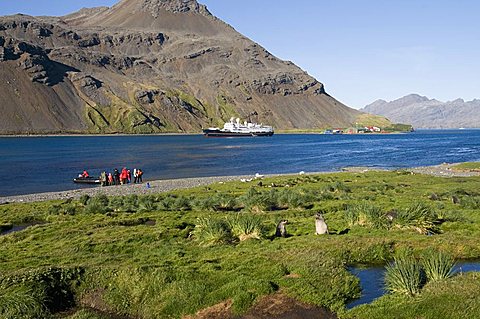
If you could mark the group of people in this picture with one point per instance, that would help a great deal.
(119, 177)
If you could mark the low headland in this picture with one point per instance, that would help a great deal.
(208, 247)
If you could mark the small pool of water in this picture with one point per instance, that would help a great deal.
(466, 266)
(372, 280)
(17, 228)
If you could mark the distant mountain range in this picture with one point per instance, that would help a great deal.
(422, 112)
(149, 66)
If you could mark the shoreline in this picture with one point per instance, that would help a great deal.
(280, 132)
(161, 186)
(94, 135)
(156, 186)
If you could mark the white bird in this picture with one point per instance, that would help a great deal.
(259, 175)
(302, 173)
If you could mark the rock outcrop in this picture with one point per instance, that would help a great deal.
(145, 66)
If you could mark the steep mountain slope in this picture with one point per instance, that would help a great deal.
(423, 112)
(146, 66)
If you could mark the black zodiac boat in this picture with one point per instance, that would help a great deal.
(87, 180)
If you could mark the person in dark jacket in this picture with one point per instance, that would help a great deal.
(116, 176)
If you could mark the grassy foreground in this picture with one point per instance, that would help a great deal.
(170, 255)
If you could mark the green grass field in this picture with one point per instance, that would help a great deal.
(170, 255)
(468, 166)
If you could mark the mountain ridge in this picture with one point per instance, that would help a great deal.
(126, 69)
(423, 112)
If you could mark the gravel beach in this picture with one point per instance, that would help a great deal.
(443, 170)
(159, 186)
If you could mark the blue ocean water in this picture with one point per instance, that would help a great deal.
(43, 164)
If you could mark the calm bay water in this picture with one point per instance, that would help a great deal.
(43, 164)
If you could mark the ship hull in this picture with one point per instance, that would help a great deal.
(220, 133)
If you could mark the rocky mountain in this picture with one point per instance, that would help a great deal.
(423, 112)
(146, 66)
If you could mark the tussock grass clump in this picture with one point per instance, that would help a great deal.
(182, 203)
(68, 209)
(205, 203)
(367, 215)
(21, 302)
(116, 203)
(175, 203)
(245, 226)
(470, 202)
(269, 201)
(239, 227)
(419, 217)
(94, 207)
(218, 202)
(225, 202)
(166, 203)
(336, 187)
(407, 275)
(296, 198)
(275, 199)
(404, 275)
(84, 199)
(437, 265)
(212, 231)
(147, 204)
(131, 200)
(37, 293)
(255, 201)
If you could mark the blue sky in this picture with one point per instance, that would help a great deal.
(361, 50)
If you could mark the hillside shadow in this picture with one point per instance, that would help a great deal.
(57, 72)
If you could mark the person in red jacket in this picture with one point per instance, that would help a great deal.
(123, 176)
(85, 174)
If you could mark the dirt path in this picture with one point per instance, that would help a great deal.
(278, 306)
